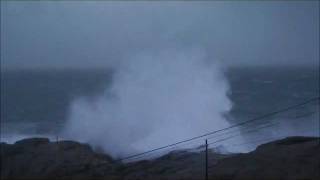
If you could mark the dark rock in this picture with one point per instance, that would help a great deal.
(37, 157)
(32, 142)
(290, 158)
(295, 140)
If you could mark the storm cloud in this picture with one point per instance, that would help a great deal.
(100, 34)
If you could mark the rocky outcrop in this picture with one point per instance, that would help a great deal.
(174, 165)
(290, 158)
(39, 158)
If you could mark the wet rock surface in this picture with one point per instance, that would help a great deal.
(38, 158)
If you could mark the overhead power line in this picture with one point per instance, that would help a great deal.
(224, 129)
(245, 132)
(201, 147)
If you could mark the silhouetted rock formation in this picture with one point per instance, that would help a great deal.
(290, 158)
(37, 157)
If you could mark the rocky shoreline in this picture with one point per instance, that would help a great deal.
(38, 158)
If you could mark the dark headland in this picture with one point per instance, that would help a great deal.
(38, 158)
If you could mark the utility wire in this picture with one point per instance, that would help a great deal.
(238, 130)
(224, 129)
(201, 147)
(245, 132)
(250, 131)
(265, 140)
(156, 154)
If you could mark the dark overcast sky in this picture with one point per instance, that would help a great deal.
(97, 34)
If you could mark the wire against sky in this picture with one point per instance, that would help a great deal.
(227, 128)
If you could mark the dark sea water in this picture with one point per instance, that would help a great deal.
(37, 102)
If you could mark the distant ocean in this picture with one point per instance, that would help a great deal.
(37, 102)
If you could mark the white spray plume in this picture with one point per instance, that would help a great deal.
(155, 99)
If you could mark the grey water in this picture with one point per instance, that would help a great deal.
(37, 101)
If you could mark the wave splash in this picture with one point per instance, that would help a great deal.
(155, 99)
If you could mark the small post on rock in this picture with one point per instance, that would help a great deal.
(206, 159)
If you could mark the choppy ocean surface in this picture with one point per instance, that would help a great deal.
(37, 102)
